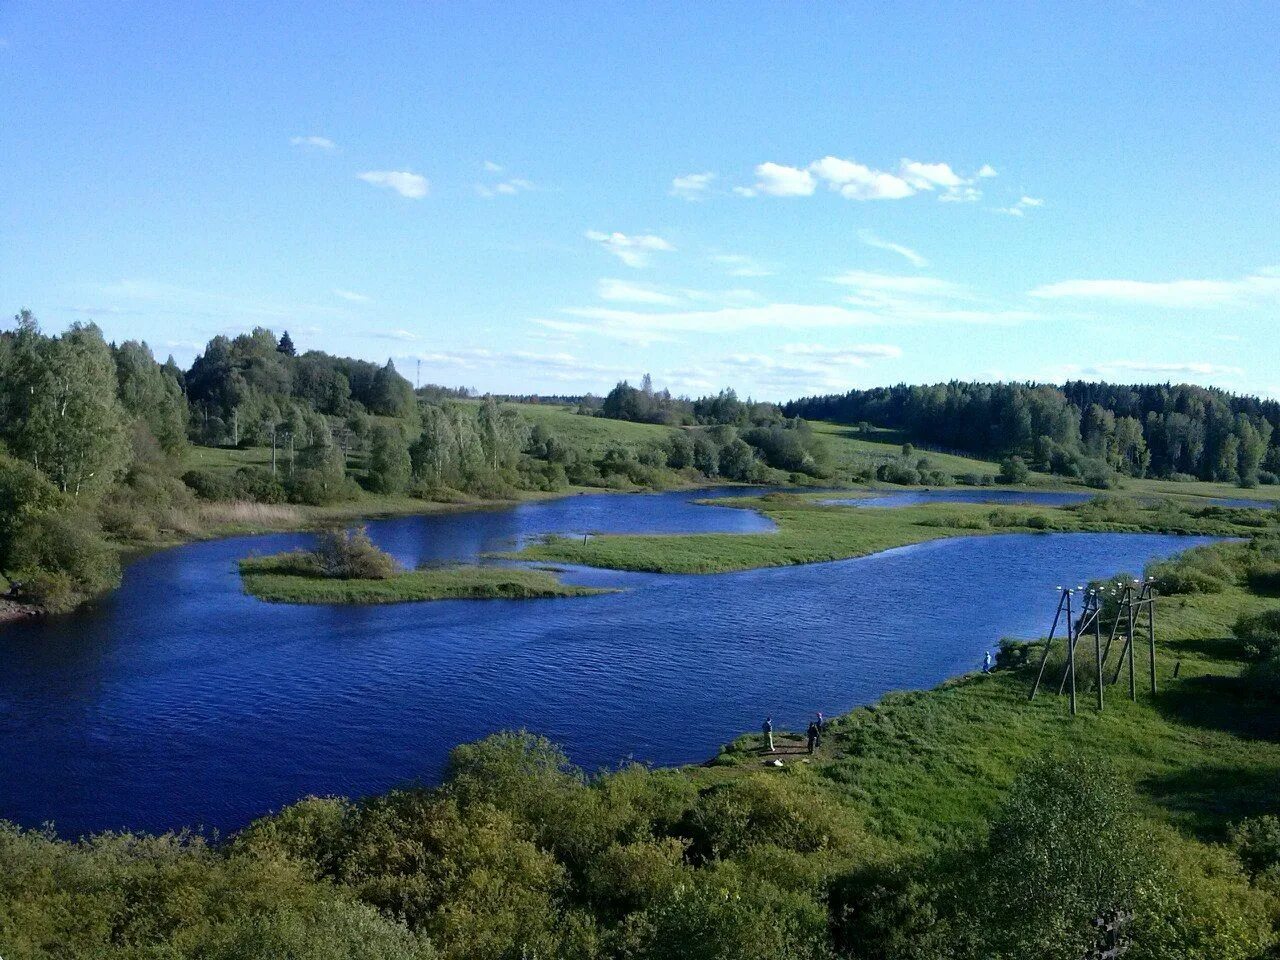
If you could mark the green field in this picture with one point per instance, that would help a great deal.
(273, 579)
(809, 532)
(848, 447)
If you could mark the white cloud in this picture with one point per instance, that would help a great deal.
(407, 184)
(1264, 284)
(927, 176)
(1022, 206)
(871, 240)
(633, 250)
(623, 291)
(777, 180)
(857, 181)
(506, 188)
(1166, 369)
(350, 295)
(799, 368)
(740, 265)
(560, 366)
(866, 282)
(492, 167)
(314, 143)
(692, 186)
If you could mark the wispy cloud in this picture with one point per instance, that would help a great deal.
(491, 167)
(633, 250)
(871, 240)
(1146, 371)
(1262, 285)
(692, 186)
(504, 188)
(623, 291)
(410, 185)
(740, 265)
(1020, 208)
(350, 296)
(797, 368)
(313, 143)
(857, 181)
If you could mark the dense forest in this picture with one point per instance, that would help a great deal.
(1093, 431)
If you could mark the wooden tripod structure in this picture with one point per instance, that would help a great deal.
(1135, 599)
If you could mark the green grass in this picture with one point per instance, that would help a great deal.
(273, 579)
(809, 532)
(848, 448)
(932, 765)
(593, 435)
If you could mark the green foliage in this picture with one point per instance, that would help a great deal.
(61, 411)
(389, 466)
(1256, 841)
(351, 555)
(60, 559)
(1013, 470)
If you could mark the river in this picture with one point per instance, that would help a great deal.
(180, 701)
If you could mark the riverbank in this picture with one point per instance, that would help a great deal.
(812, 532)
(277, 579)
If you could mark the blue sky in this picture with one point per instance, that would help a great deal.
(781, 197)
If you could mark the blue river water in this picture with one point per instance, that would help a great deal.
(179, 701)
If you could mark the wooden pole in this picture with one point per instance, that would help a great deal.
(1071, 653)
(1133, 688)
(1151, 632)
(1048, 645)
(1097, 642)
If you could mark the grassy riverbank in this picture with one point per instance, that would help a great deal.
(810, 532)
(931, 765)
(277, 579)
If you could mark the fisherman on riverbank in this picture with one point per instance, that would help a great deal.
(815, 736)
(986, 663)
(767, 730)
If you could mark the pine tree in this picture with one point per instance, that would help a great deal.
(286, 346)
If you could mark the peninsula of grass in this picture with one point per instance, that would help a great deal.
(812, 532)
(346, 567)
(273, 579)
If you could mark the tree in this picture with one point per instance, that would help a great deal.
(72, 425)
(286, 346)
(389, 465)
(151, 395)
(1014, 470)
(390, 394)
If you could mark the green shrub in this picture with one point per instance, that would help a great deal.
(60, 559)
(1014, 470)
(351, 555)
(1256, 842)
(1259, 634)
(1264, 578)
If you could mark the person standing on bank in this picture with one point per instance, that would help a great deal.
(813, 736)
(986, 663)
(767, 730)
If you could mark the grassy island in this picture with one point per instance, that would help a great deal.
(346, 567)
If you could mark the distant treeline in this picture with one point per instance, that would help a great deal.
(1088, 430)
(778, 441)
